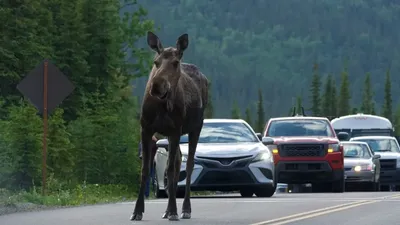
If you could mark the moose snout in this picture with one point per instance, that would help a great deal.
(160, 89)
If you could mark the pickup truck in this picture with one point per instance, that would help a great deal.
(306, 150)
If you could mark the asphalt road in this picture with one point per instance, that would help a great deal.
(293, 209)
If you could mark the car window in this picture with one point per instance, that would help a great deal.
(356, 151)
(382, 145)
(225, 132)
(300, 127)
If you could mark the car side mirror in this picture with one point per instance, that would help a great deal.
(267, 141)
(259, 135)
(376, 157)
(343, 136)
(162, 143)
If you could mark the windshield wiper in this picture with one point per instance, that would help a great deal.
(351, 156)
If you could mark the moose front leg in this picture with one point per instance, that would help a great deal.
(172, 211)
(186, 206)
(177, 163)
(139, 206)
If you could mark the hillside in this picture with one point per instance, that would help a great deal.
(243, 45)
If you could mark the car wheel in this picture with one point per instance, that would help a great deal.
(338, 186)
(266, 191)
(246, 193)
(157, 192)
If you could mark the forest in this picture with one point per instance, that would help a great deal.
(332, 58)
(246, 45)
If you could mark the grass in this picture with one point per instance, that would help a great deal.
(81, 195)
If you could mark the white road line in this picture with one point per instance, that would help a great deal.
(298, 215)
(323, 213)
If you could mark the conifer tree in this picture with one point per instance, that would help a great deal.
(235, 113)
(387, 105)
(315, 92)
(344, 95)
(327, 97)
(260, 122)
(367, 100)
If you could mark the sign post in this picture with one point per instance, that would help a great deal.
(45, 87)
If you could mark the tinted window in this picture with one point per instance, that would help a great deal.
(356, 151)
(382, 145)
(224, 133)
(300, 127)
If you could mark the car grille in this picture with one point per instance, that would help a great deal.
(388, 164)
(302, 150)
(212, 162)
(226, 177)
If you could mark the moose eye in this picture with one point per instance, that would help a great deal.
(156, 63)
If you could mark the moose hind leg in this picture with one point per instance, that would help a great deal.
(186, 206)
(139, 206)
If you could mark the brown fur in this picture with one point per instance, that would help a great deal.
(173, 105)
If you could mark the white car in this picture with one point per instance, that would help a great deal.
(389, 150)
(229, 157)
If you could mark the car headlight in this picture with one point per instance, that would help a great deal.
(367, 167)
(184, 158)
(263, 156)
(333, 148)
(398, 163)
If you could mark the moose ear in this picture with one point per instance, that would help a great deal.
(182, 42)
(154, 42)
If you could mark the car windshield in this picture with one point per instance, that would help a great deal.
(300, 127)
(356, 151)
(382, 145)
(225, 132)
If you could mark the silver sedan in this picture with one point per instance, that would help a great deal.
(362, 167)
(229, 157)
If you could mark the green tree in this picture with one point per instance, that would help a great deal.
(235, 113)
(24, 135)
(327, 97)
(209, 111)
(315, 92)
(387, 105)
(334, 101)
(248, 116)
(60, 149)
(367, 102)
(299, 105)
(397, 121)
(344, 95)
(25, 41)
(260, 122)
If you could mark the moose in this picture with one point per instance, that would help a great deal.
(173, 105)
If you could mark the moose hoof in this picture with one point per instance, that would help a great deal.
(165, 215)
(186, 215)
(173, 217)
(137, 216)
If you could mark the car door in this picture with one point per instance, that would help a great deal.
(377, 163)
(161, 159)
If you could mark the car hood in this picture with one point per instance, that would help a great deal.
(225, 149)
(388, 155)
(355, 161)
(302, 139)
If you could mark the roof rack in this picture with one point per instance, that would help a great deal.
(296, 114)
